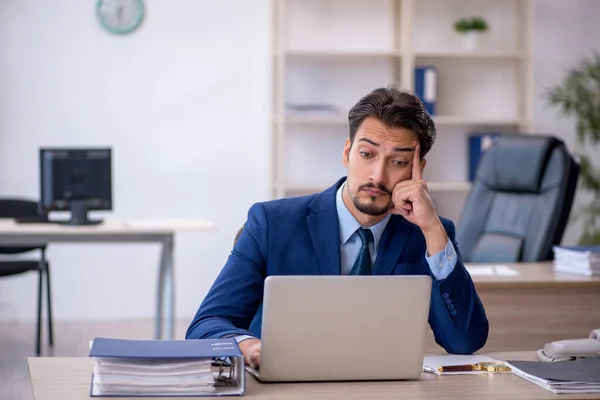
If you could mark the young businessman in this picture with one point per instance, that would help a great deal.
(383, 203)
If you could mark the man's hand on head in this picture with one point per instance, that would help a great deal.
(411, 199)
(251, 350)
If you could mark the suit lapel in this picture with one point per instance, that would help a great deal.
(324, 230)
(393, 241)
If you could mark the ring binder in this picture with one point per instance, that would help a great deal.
(200, 367)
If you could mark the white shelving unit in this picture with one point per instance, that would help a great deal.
(330, 53)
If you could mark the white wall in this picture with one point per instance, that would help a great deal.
(566, 32)
(184, 102)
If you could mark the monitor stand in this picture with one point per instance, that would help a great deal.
(79, 211)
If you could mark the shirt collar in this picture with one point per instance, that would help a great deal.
(349, 224)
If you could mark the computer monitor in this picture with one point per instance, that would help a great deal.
(76, 180)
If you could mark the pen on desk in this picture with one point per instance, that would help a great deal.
(455, 368)
(493, 366)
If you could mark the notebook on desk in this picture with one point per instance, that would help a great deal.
(578, 376)
(204, 367)
(337, 328)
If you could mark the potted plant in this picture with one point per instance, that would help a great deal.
(578, 95)
(471, 29)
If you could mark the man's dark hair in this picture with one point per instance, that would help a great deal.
(397, 109)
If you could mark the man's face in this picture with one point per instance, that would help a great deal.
(377, 160)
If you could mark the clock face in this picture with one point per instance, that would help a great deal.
(120, 16)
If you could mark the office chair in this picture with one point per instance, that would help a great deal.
(17, 208)
(519, 202)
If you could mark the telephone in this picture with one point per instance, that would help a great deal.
(571, 349)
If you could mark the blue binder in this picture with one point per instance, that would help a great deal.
(159, 349)
(478, 143)
(152, 351)
(426, 87)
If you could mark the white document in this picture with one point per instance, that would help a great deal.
(480, 270)
(503, 270)
(490, 270)
(431, 363)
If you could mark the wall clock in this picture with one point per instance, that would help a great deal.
(120, 16)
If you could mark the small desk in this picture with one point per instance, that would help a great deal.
(536, 307)
(70, 378)
(163, 232)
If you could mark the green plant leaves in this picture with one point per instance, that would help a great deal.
(471, 24)
(578, 95)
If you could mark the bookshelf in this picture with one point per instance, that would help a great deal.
(329, 53)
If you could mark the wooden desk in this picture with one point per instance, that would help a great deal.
(163, 232)
(536, 307)
(69, 379)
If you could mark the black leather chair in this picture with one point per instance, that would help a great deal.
(18, 208)
(520, 201)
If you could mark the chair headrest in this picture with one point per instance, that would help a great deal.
(516, 163)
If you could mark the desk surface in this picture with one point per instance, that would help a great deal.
(10, 227)
(69, 379)
(532, 275)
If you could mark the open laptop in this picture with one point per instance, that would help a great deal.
(337, 328)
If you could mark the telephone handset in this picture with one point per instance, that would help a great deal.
(571, 349)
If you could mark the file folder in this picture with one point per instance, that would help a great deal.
(478, 143)
(178, 368)
(426, 81)
(578, 376)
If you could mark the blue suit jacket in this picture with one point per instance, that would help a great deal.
(300, 236)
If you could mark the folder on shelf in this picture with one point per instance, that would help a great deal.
(426, 87)
(204, 367)
(478, 143)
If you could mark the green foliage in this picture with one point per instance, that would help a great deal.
(578, 95)
(471, 24)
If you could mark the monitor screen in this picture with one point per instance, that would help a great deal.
(80, 176)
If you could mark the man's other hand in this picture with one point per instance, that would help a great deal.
(251, 350)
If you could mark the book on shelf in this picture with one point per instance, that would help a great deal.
(577, 260)
(311, 109)
(204, 367)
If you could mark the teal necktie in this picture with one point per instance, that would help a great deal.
(362, 265)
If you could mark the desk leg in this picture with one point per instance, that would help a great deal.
(170, 291)
(160, 290)
(165, 297)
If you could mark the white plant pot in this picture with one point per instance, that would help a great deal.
(471, 40)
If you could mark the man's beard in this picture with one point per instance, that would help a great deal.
(370, 208)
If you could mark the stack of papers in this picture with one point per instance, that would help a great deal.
(161, 378)
(579, 376)
(577, 260)
(166, 367)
